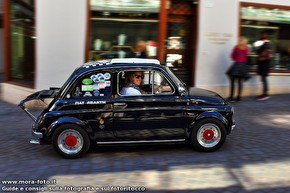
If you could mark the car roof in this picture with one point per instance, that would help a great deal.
(119, 63)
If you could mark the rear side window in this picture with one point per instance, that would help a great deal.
(93, 85)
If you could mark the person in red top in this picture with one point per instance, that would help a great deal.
(238, 72)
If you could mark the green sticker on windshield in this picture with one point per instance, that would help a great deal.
(87, 81)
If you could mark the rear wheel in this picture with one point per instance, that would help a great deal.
(208, 135)
(70, 141)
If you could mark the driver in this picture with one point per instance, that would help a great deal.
(134, 81)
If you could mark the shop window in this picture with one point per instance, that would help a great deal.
(118, 26)
(180, 40)
(22, 41)
(256, 18)
(176, 43)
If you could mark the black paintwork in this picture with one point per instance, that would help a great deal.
(129, 118)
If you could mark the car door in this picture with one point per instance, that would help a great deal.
(157, 114)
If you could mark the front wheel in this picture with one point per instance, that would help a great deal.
(208, 135)
(70, 141)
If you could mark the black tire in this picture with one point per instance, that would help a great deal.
(208, 135)
(70, 141)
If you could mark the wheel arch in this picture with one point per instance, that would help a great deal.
(67, 120)
(204, 115)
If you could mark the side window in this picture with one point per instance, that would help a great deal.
(143, 83)
(93, 85)
(160, 84)
(131, 82)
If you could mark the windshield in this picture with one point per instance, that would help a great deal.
(180, 83)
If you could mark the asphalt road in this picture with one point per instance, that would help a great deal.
(255, 158)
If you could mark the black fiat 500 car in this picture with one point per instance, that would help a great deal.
(91, 108)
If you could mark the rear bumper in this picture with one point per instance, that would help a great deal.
(35, 133)
(35, 141)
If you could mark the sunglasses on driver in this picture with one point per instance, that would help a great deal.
(138, 76)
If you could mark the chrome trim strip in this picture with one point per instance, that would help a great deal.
(142, 141)
(37, 134)
(233, 127)
(35, 141)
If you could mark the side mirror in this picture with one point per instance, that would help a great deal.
(181, 89)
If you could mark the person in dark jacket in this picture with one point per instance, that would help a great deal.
(238, 72)
(140, 49)
(264, 53)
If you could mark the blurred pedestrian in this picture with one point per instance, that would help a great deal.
(140, 49)
(264, 52)
(238, 72)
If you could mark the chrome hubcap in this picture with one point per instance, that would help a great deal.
(70, 141)
(209, 135)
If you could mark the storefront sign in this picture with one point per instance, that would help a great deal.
(218, 37)
(151, 6)
(266, 14)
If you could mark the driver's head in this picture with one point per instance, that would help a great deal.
(136, 78)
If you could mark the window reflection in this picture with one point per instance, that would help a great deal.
(118, 26)
(22, 38)
(277, 23)
(115, 39)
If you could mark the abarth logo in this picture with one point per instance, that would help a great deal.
(89, 102)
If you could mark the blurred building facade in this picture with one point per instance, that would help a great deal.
(1, 42)
(44, 41)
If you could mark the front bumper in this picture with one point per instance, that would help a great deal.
(233, 127)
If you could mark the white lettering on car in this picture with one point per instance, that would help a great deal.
(79, 102)
(95, 102)
(89, 102)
